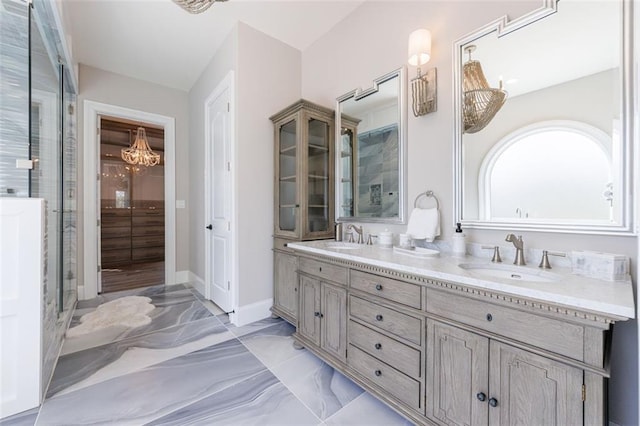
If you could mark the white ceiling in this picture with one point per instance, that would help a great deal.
(157, 41)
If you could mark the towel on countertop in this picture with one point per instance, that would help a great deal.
(424, 224)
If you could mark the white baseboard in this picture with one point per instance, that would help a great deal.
(249, 313)
(80, 292)
(197, 283)
(182, 277)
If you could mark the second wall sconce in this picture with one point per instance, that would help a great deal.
(423, 87)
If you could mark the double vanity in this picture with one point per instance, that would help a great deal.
(458, 340)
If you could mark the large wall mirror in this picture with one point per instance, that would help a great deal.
(370, 151)
(555, 156)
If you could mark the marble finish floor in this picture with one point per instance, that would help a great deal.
(190, 366)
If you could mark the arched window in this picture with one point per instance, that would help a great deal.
(559, 170)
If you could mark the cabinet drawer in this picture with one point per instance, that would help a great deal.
(387, 319)
(148, 212)
(142, 231)
(110, 257)
(394, 353)
(546, 333)
(114, 222)
(147, 220)
(397, 291)
(281, 244)
(115, 243)
(151, 241)
(110, 213)
(391, 381)
(116, 232)
(323, 270)
(152, 253)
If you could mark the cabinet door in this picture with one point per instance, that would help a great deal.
(334, 320)
(457, 375)
(318, 214)
(309, 313)
(286, 283)
(530, 389)
(288, 204)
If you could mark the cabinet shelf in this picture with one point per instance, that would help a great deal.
(288, 206)
(322, 149)
(289, 151)
(288, 178)
(318, 177)
(318, 206)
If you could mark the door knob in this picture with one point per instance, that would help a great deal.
(209, 226)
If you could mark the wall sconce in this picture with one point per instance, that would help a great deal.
(423, 87)
(481, 102)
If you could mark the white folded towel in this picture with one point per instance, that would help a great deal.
(424, 224)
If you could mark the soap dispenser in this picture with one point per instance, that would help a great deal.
(459, 243)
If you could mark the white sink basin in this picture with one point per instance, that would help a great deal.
(510, 272)
(343, 246)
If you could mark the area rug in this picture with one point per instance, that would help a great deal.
(129, 311)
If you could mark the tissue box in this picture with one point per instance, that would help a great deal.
(603, 266)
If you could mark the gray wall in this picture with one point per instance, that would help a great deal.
(263, 85)
(114, 89)
(373, 41)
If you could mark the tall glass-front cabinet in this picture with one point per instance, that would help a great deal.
(304, 192)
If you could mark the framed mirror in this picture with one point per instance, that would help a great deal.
(554, 155)
(370, 152)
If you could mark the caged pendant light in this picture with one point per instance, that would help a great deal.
(196, 6)
(481, 102)
(139, 153)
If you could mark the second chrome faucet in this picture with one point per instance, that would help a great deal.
(519, 245)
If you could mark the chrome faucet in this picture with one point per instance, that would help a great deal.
(358, 229)
(519, 245)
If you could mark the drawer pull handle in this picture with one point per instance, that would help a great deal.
(378, 346)
(489, 317)
(481, 396)
(493, 402)
(378, 317)
(378, 373)
(379, 287)
(320, 269)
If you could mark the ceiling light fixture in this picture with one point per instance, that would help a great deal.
(139, 153)
(196, 6)
(481, 102)
(423, 87)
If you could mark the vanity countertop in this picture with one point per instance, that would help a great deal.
(574, 291)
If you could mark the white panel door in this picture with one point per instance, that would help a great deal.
(21, 283)
(220, 240)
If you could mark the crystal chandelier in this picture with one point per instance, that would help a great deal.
(139, 153)
(481, 102)
(196, 6)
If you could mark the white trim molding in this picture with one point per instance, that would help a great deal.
(92, 111)
(252, 312)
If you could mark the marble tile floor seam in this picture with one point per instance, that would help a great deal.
(281, 385)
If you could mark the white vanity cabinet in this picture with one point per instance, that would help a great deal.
(449, 352)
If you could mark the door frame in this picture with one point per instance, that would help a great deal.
(92, 111)
(227, 83)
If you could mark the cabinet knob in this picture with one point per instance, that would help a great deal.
(378, 346)
(378, 373)
(489, 317)
(378, 317)
(481, 396)
(493, 402)
(209, 226)
(320, 269)
(379, 287)
(316, 314)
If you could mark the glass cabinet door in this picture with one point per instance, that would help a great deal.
(288, 208)
(346, 175)
(318, 169)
